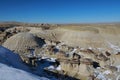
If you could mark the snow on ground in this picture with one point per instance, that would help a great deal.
(9, 73)
(59, 68)
(115, 48)
(107, 72)
(51, 68)
(49, 59)
(11, 59)
(101, 75)
(71, 53)
(52, 59)
(54, 68)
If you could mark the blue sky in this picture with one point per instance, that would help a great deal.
(60, 11)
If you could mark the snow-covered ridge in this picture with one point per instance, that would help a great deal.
(12, 61)
(9, 58)
(9, 73)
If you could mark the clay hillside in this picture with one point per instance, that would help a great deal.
(91, 51)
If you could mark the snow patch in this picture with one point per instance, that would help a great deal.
(72, 51)
(54, 68)
(58, 68)
(115, 48)
(49, 59)
(51, 68)
(107, 72)
(101, 75)
(52, 59)
(9, 73)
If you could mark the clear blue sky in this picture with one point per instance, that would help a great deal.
(60, 11)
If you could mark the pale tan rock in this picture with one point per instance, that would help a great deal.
(21, 42)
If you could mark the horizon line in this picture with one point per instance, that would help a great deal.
(105, 22)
